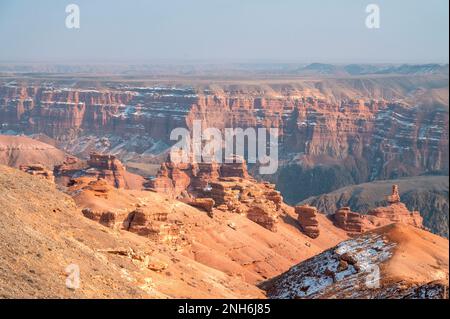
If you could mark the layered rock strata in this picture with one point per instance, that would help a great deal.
(375, 139)
(226, 187)
(307, 218)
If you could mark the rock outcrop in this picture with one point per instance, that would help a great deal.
(353, 223)
(226, 187)
(426, 194)
(98, 166)
(260, 202)
(395, 212)
(263, 214)
(38, 170)
(147, 222)
(205, 204)
(106, 167)
(307, 218)
(131, 215)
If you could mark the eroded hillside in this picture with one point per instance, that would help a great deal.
(223, 257)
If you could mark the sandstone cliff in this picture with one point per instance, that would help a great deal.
(356, 138)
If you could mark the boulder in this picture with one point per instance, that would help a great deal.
(205, 204)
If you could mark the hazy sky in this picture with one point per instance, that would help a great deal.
(224, 31)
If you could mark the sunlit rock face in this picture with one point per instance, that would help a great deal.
(223, 187)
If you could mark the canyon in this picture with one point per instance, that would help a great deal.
(348, 132)
(363, 164)
(345, 130)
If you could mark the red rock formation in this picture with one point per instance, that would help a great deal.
(307, 217)
(206, 172)
(227, 187)
(395, 196)
(235, 169)
(395, 212)
(176, 178)
(353, 223)
(106, 167)
(135, 217)
(144, 221)
(99, 166)
(260, 202)
(264, 214)
(38, 170)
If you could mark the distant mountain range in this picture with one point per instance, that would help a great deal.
(229, 69)
(365, 69)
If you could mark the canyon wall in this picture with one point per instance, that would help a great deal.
(344, 141)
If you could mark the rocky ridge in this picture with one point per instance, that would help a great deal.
(368, 267)
(355, 223)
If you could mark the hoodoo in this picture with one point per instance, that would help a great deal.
(395, 211)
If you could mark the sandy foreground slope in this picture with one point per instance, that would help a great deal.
(42, 231)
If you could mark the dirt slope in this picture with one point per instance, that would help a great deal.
(42, 235)
(228, 242)
(22, 150)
